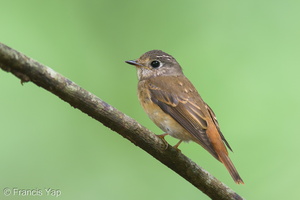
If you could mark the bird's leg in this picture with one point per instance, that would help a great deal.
(162, 136)
(176, 145)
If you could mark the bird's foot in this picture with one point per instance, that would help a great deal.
(176, 145)
(162, 137)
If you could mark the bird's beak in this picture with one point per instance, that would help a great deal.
(134, 62)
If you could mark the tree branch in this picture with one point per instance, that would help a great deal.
(28, 69)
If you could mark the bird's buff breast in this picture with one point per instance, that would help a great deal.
(161, 119)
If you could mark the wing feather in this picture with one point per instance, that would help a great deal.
(213, 116)
(187, 113)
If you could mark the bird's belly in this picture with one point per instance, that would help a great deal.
(167, 123)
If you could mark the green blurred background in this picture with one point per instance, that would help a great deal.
(243, 56)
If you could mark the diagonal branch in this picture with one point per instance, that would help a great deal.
(28, 69)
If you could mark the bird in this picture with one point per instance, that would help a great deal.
(175, 106)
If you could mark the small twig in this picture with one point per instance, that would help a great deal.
(28, 69)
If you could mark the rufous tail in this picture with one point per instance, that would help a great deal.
(230, 167)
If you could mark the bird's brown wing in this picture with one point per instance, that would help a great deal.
(184, 110)
(213, 116)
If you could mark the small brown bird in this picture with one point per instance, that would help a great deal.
(174, 105)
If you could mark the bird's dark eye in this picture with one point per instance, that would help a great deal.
(155, 64)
